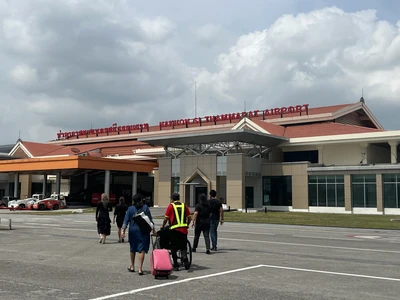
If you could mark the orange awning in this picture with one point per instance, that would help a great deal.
(75, 162)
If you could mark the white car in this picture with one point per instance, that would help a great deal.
(20, 203)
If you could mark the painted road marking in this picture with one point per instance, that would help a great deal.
(325, 238)
(370, 237)
(175, 282)
(243, 240)
(239, 270)
(311, 245)
(333, 273)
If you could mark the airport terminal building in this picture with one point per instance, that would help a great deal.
(299, 158)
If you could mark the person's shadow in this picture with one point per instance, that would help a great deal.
(194, 268)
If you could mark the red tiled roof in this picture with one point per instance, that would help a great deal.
(41, 149)
(311, 111)
(270, 127)
(326, 128)
(108, 148)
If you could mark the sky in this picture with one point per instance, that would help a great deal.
(72, 65)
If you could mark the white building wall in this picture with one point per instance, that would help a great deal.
(343, 154)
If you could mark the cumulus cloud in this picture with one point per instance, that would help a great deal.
(71, 64)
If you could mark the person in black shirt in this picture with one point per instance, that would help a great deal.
(201, 222)
(119, 215)
(217, 217)
(103, 218)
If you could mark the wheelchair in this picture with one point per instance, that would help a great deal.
(162, 242)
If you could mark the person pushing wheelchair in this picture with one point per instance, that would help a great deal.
(178, 216)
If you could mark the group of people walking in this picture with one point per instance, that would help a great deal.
(207, 216)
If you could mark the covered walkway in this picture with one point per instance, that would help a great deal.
(68, 165)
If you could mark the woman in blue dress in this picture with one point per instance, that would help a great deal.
(139, 242)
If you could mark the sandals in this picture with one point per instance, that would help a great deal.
(140, 273)
(130, 269)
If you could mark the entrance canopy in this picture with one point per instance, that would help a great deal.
(51, 165)
(239, 135)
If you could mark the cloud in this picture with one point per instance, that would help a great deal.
(70, 65)
(321, 57)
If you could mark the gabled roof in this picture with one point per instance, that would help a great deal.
(32, 149)
(325, 129)
(326, 113)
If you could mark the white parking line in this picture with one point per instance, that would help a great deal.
(47, 224)
(239, 270)
(174, 282)
(333, 273)
(311, 245)
(327, 238)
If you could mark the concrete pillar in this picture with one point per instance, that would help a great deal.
(44, 189)
(107, 178)
(364, 153)
(16, 184)
(347, 193)
(393, 151)
(235, 180)
(379, 194)
(134, 183)
(58, 182)
(86, 180)
(320, 154)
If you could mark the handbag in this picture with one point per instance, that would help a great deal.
(144, 223)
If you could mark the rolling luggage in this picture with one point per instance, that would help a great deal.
(160, 262)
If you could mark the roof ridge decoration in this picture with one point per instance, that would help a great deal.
(20, 145)
(354, 107)
(245, 122)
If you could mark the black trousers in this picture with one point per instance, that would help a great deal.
(206, 233)
(178, 241)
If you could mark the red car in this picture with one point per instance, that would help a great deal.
(48, 203)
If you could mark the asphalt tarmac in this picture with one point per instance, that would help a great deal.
(59, 257)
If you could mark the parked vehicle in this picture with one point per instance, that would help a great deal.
(19, 203)
(4, 201)
(48, 203)
(61, 198)
(30, 203)
(39, 196)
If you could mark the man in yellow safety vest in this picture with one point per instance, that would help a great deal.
(178, 216)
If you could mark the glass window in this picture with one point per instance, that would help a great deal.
(312, 195)
(331, 195)
(312, 179)
(175, 184)
(391, 190)
(340, 195)
(364, 190)
(322, 179)
(322, 195)
(390, 177)
(326, 190)
(277, 190)
(331, 179)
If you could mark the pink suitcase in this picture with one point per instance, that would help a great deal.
(160, 262)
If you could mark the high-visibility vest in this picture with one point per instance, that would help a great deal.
(180, 220)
